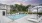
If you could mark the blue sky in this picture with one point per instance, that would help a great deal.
(25, 2)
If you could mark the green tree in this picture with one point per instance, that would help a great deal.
(21, 7)
(27, 7)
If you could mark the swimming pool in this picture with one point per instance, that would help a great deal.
(16, 16)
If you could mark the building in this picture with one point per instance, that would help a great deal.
(36, 9)
(4, 9)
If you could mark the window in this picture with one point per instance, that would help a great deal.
(3, 13)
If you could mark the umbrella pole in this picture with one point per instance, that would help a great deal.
(37, 12)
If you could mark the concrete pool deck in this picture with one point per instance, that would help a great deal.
(21, 20)
(4, 19)
(24, 19)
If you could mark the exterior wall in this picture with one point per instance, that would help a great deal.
(2, 7)
(1, 12)
(8, 8)
(5, 7)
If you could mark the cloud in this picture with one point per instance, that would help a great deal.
(20, 1)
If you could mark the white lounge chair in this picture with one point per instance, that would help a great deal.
(35, 20)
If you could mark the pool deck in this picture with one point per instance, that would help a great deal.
(4, 19)
(21, 20)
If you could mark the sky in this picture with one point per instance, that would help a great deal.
(24, 2)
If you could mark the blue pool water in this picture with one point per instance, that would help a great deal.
(17, 16)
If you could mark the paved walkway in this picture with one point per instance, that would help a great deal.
(4, 19)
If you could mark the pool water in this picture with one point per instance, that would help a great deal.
(16, 16)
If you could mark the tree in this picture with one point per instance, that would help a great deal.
(12, 7)
(21, 7)
(27, 7)
(40, 4)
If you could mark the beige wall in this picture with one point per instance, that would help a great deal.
(8, 8)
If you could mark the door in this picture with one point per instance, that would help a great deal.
(2, 12)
